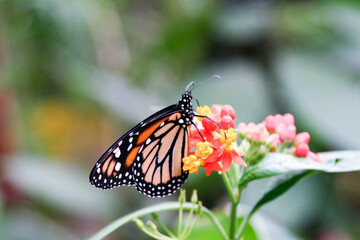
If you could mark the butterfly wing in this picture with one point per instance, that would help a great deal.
(157, 170)
(114, 168)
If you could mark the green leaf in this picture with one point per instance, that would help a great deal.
(282, 185)
(280, 188)
(280, 163)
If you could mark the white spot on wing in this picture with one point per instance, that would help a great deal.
(117, 166)
(117, 154)
(130, 146)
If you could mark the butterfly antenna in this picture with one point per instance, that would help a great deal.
(196, 115)
(193, 84)
(197, 102)
(204, 81)
(199, 131)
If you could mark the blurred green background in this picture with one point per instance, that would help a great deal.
(75, 75)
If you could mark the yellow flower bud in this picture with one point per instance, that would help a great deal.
(227, 137)
(203, 150)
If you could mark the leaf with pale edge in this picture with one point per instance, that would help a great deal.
(281, 163)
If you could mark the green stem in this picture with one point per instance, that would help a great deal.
(162, 225)
(192, 227)
(180, 220)
(233, 215)
(187, 223)
(165, 206)
(244, 223)
(228, 187)
(155, 235)
(233, 218)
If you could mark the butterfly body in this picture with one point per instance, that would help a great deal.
(149, 156)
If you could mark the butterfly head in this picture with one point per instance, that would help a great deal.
(187, 111)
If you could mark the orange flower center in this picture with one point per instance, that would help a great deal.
(191, 163)
(203, 150)
(227, 137)
(203, 111)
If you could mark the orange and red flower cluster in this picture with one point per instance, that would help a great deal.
(214, 139)
(215, 145)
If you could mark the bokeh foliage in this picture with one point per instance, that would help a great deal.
(76, 75)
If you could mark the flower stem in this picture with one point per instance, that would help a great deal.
(180, 220)
(229, 188)
(165, 206)
(162, 225)
(233, 220)
(187, 225)
(192, 227)
(244, 223)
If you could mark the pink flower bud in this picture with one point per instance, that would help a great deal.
(208, 124)
(278, 118)
(288, 119)
(314, 156)
(289, 133)
(274, 139)
(256, 135)
(311, 155)
(270, 123)
(216, 110)
(301, 150)
(261, 127)
(227, 122)
(259, 133)
(251, 126)
(303, 137)
(286, 132)
(228, 110)
(242, 128)
(280, 129)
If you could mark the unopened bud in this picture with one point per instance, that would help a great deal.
(139, 223)
(182, 197)
(198, 211)
(152, 226)
(194, 197)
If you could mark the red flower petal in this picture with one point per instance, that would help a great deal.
(212, 166)
(209, 123)
(226, 161)
(236, 157)
(216, 143)
(215, 156)
(195, 137)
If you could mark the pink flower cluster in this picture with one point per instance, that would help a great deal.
(279, 129)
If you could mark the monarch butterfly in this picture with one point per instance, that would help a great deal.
(149, 156)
